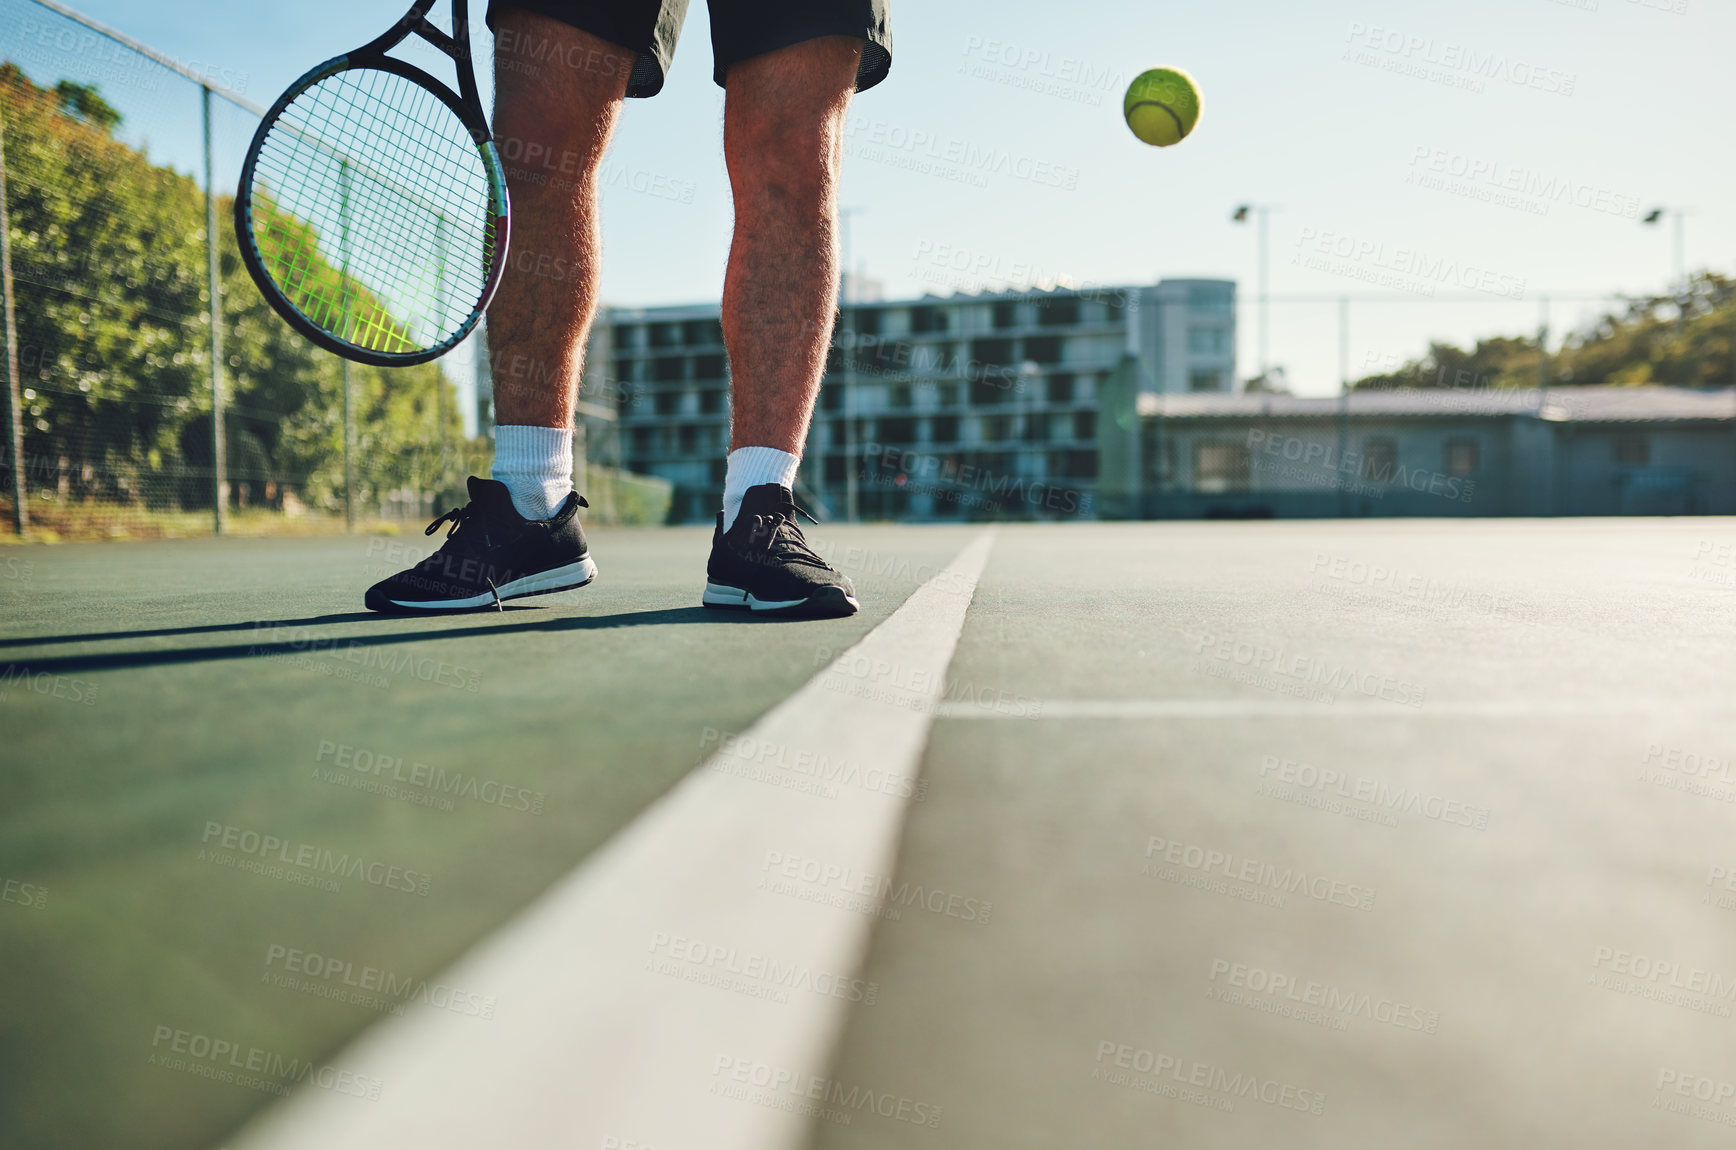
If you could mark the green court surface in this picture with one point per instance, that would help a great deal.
(227, 692)
(1398, 834)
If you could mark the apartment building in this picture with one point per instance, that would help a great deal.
(939, 408)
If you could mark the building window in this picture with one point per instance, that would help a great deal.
(1060, 389)
(883, 356)
(1037, 427)
(1379, 460)
(948, 394)
(901, 430)
(627, 370)
(667, 368)
(1632, 450)
(832, 398)
(991, 387)
(708, 367)
(1058, 312)
(992, 351)
(702, 332)
(1006, 314)
(1210, 297)
(689, 439)
(624, 337)
(668, 402)
(1220, 467)
(865, 321)
(997, 428)
(1462, 457)
(898, 395)
(935, 357)
(1084, 425)
(1072, 464)
(945, 429)
(1205, 381)
(1206, 340)
(711, 401)
(926, 319)
(665, 335)
(642, 440)
(1043, 348)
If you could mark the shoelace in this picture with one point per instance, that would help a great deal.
(456, 517)
(456, 541)
(783, 537)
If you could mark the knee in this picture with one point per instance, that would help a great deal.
(784, 162)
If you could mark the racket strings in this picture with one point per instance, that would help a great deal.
(371, 197)
(373, 211)
(374, 197)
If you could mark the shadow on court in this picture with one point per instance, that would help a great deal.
(114, 660)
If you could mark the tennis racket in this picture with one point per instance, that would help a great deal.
(372, 210)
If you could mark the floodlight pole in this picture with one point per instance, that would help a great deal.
(1265, 293)
(1262, 215)
(1680, 244)
(1343, 402)
(1543, 347)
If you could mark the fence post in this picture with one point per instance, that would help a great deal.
(14, 393)
(1343, 402)
(1543, 345)
(349, 449)
(213, 290)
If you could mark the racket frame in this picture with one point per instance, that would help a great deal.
(466, 104)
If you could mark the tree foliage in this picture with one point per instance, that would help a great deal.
(1684, 340)
(109, 263)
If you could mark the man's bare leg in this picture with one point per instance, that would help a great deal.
(783, 139)
(558, 93)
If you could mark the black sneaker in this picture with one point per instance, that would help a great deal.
(763, 563)
(491, 553)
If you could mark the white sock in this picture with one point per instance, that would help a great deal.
(536, 464)
(750, 467)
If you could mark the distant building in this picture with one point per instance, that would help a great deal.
(1425, 452)
(963, 407)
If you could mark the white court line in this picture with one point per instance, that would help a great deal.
(593, 1038)
(1029, 710)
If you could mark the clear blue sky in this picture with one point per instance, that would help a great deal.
(1352, 117)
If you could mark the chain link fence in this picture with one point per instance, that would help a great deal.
(153, 393)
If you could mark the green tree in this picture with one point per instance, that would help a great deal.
(1683, 340)
(109, 260)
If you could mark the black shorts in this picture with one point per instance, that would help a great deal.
(740, 30)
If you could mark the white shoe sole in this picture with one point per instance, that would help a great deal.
(568, 578)
(719, 595)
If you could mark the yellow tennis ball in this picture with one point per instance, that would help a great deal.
(1162, 106)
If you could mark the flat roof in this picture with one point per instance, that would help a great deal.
(663, 312)
(1567, 404)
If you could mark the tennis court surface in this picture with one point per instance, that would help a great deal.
(1380, 833)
